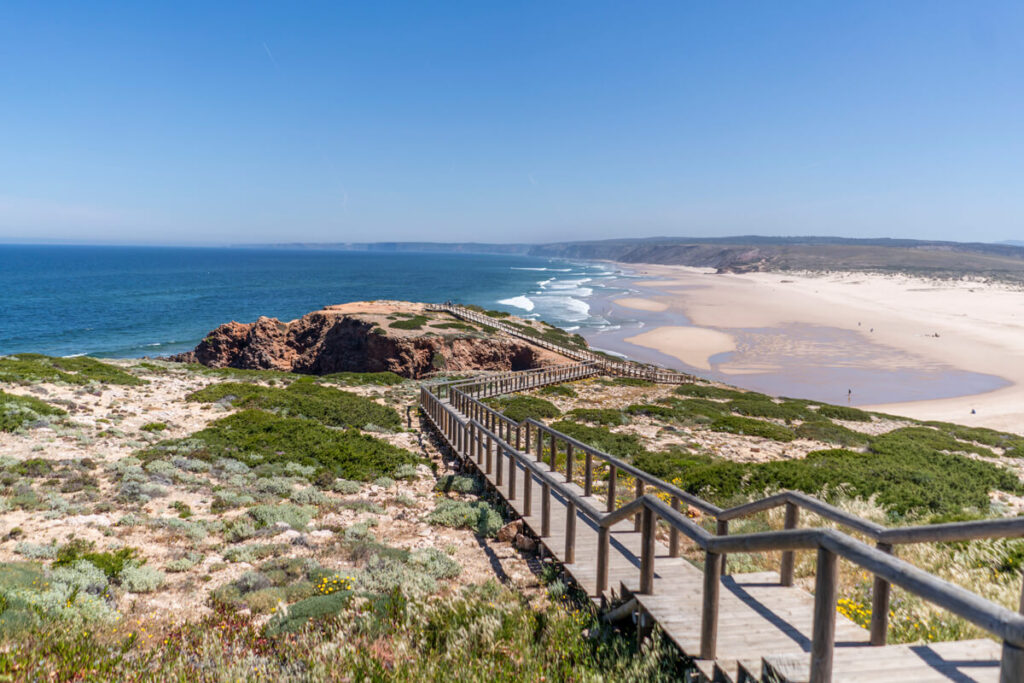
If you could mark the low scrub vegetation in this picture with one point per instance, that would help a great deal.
(603, 439)
(600, 416)
(415, 322)
(304, 398)
(519, 408)
(25, 368)
(355, 379)
(22, 411)
(708, 391)
(256, 437)
(748, 427)
(510, 641)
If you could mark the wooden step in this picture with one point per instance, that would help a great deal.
(965, 660)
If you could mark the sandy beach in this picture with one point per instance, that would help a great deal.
(952, 346)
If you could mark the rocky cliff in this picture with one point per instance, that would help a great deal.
(360, 338)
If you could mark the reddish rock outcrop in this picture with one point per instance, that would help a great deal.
(329, 341)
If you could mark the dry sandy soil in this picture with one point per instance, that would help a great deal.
(104, 426)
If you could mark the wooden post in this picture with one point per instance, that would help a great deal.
(612, 476)
(568, 463)
(518, 433)
(639, 494)
(570, 533)
(554, 452)
(673, 534)
(528, 430)
(788, 556)
(1011, 665)
(880, 605)
(511, 477)
(588, 475)
(488, 466)
(603, 542)
(823, 634)
(499, 468)
(527, 492)
(647, 551)
(545, 509)
(722, 529)
(709, 611)
(540, 445)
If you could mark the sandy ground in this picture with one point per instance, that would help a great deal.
(899, 322)
(692, 345)
(641, 304)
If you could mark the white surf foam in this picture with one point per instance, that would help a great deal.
(522, 302)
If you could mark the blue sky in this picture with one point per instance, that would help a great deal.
(197, 122)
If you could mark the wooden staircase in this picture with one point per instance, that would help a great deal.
(742, 627)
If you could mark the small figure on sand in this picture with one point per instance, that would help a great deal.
(849, 395)
(973, 411)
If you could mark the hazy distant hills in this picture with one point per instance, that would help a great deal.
(1003, 261)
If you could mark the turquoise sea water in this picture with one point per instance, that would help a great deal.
(136, 301)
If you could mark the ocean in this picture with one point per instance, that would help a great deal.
(125, 302)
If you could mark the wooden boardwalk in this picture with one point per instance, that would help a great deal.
(762, 628)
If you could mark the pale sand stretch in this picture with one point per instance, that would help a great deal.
(693, 345)
(641, 304)
(980, 327)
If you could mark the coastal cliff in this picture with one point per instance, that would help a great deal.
(399, 337)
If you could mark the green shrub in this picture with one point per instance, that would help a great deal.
(910, 482)
(843, 413)
(303, 398)
(749, 427)
(1012, 444)
(458, 483)
(453, 326)
(111, 563)
(36, 551)
(311, 608)
(621, 445)
(601, 416)
(519, 408)
(788, 411)
(153, 427)
(434, 563)
(692, 410)
(383, 379)
(33, 367)
(141, 579)
(295, 516)
(663, 412)
(406, 472)
(346, 487)
(416, 322)
(478, 516)
(918, 439)
(17, 411)
(254, 552)
(558, 390)
(824, 430)
(256, 437)
(627, 382)
(706, 391)
(33, 467)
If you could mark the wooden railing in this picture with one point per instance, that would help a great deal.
(617, 368)
(515, 454)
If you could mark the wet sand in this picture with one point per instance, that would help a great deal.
(907, 346)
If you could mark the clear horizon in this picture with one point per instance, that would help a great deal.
(229, 125)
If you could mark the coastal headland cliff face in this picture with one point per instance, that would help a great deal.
(400, 337)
